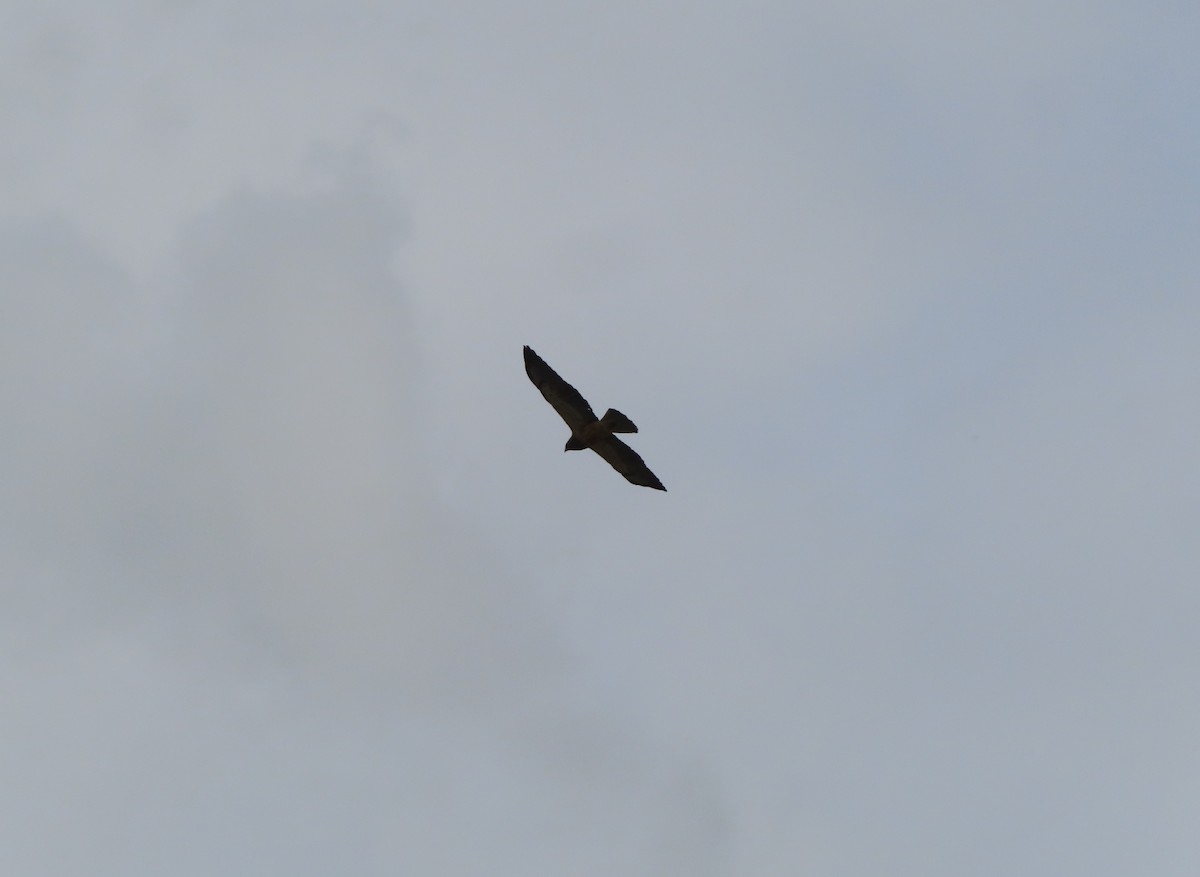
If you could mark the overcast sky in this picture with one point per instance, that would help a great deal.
(297, 579)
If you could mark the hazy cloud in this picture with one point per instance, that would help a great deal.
(296, 576)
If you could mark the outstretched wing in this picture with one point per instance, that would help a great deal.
(565, 399)
(626, 461)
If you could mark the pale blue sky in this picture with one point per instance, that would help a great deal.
(297, 578)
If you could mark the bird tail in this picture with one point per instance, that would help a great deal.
(614, 421)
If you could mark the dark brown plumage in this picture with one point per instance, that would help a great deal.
(588, 431)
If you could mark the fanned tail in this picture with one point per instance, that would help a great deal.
(614, 421)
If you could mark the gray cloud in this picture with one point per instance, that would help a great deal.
(246, 633)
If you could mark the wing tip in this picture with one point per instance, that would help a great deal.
(532, 360)
(647, 479)
(533, 363)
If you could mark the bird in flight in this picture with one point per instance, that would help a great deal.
(588, 431)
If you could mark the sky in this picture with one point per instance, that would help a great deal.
(296, 578)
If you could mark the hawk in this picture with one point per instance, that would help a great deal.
(588, 431)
